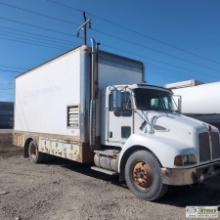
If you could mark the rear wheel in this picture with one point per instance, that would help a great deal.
(142, 175)
(33, 153)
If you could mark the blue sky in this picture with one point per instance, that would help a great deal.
(176, 40)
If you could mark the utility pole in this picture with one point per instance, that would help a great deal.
(83, 27)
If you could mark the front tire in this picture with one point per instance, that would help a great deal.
(33, 153)
(142, 175)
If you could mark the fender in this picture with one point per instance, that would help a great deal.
(164, 149)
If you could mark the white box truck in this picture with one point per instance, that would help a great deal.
(93, 107)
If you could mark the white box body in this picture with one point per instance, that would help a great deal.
(44, 93)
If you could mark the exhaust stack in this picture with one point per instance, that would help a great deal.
(94, 93)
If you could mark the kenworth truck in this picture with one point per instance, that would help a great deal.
(93, 107)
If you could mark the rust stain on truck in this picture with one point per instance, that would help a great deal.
(57, 145)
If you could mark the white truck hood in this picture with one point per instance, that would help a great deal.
(172, 126)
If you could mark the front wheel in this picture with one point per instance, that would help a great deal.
(142, 175)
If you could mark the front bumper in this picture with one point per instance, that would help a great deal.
(188, 176)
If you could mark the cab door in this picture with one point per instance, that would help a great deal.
(120, 117)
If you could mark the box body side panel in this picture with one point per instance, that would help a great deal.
(43, 95)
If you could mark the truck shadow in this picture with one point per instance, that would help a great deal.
(82, 169)
(205, 194)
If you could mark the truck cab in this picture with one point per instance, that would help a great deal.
(127, 106)
(151, 144)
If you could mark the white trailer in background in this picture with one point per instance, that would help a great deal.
(92, 107)
(201, 101)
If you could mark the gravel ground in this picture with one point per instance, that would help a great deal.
(65, 190)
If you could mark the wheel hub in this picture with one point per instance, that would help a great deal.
(142, 174)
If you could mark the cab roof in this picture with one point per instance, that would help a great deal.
(146, 86)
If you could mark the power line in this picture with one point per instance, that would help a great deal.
(135, 43)
(32, 39)
(154, 60)
(156, 50)
(126, 51)
(160, 41)
(37, 13)
(66, 6)
(52, 39)
(59, 32)
(36, 26)
(28, 42)
(116, 37)
(109, 35)
(134, 31)
(40, 14)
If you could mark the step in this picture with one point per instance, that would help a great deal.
(102, 170)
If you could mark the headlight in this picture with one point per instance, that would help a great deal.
(184, 160)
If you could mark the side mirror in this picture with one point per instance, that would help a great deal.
(178, 103)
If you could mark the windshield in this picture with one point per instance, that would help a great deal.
(151, 99)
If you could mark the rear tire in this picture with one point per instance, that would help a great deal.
(142, 175)
(33, 153)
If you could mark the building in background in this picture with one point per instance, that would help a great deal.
(6, 115)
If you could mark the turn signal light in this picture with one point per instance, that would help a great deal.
(184, 160)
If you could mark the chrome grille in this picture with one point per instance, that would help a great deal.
(204, 149)
(209, 146)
